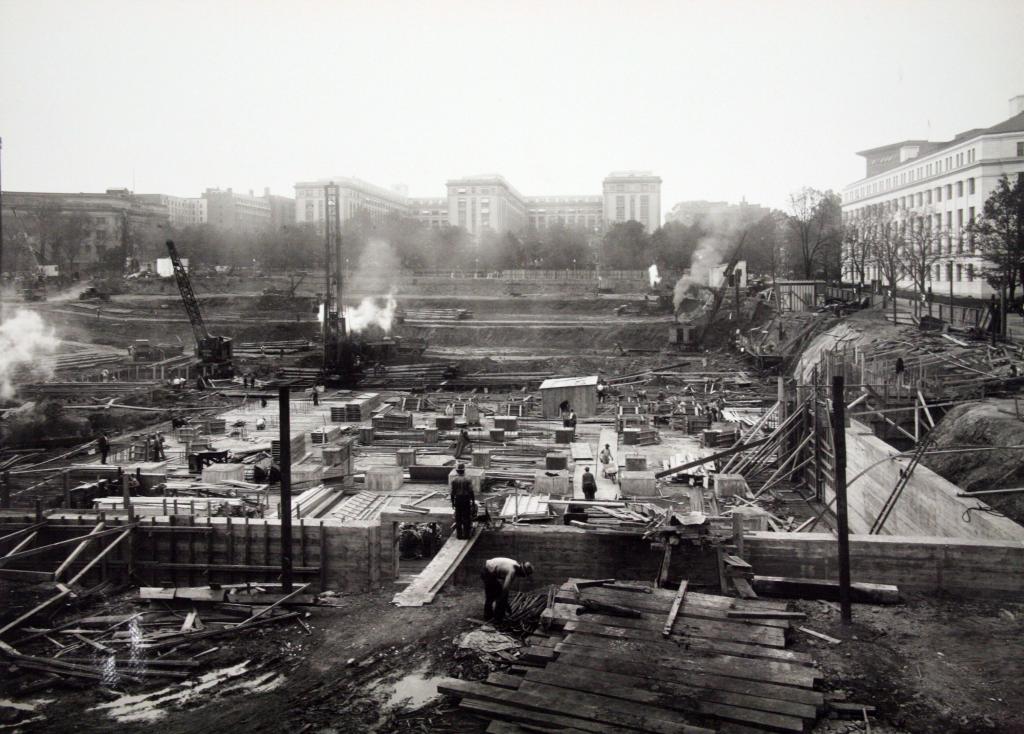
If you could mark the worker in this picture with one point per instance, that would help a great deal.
(261, 423)
(570, 419)
(899, 370)
(462, 443)
(316, 396)
(463, 502)
(589, 485)
(497, 575)
(449, 409)
(104, 446)
(600, 391)
(605, 457)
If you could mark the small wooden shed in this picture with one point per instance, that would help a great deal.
(580, 392)
(800, 295)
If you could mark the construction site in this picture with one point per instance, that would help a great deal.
(226, 502)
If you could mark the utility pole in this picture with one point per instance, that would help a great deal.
(285, 439)
(842, 519)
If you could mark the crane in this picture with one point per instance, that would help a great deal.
(214, 352)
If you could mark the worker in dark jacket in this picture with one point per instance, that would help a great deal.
(497, 576)
(463, 443)
(589, 485)
(464, 503)
(104, 446)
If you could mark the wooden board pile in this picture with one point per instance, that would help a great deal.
(409, 376)
(496, 380)
(122, 651)
(436, 314)
(719, 437)
(632, 517)
(392, 421)
(526, 507)
(627, 657)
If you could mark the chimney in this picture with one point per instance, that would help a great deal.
(1016, 105)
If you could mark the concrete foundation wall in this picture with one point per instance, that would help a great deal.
(558, 552)
(181, 551)
(956, 566)
(928, 505)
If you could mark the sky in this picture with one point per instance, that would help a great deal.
(724, 100)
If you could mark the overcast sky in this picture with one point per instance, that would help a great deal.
(723, 99)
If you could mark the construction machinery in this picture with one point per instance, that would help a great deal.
(341, 362)
(214, 352)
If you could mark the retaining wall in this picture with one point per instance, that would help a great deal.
(928, 505)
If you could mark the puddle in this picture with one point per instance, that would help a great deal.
(409, 693)
(154, 705)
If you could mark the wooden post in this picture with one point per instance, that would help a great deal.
(66, 481)
(737, 531)
(5, 491)
(284, 396)
(842, 519)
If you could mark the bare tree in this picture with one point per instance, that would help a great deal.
(814, 219)
(857, 252)
(61, 236)
(922, 252)
(1000, 234)
(888, 250)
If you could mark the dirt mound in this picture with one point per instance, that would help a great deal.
(986, 424)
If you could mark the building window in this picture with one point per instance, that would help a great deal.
(949, 272)
(938, 273)
(949, 191)
(938, 194)
(959, 273)
(1020, 149)
(970, 186)
(620, 208)
(970, 273)
(928, 196)
(959, 188)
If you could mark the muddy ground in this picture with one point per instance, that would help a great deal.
(930, 666)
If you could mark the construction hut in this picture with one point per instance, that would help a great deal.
(800, 295)
(580, 392)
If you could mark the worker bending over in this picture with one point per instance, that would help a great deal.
(463, 502)
(497, 575)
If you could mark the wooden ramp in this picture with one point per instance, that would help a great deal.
(606, 488)
(432, 579)
(683, 663)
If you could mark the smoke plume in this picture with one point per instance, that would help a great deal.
(372, 311)
(652, 275)
(24, 340)
(724, 232)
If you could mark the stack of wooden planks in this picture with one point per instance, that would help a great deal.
(627, 657)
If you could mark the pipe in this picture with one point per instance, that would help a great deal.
(285, 438)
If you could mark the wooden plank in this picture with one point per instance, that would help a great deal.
(539, 719)
(676, 697)
(432, 579)
(746, 614)
(601, 660)
(77, 551)
(729, 630)
(91, 536)
(504, 680)
(671, 619)
(743, 587)
(603, 712)
(694, 604)
(656, 653)
(650, 717)
(801, 588)
(100, 556)
(738, 649)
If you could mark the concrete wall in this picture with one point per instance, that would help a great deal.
(928, 505)
(956, 566)
(357, 555)
(558, 552)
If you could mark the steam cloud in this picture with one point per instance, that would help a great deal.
(370, 312)
(652, 275)
(724, 233)
(24, 340)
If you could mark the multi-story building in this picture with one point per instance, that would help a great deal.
(354, 197)
(433, 212)
(490, 203)
(485, 202)
(282, 209)
(576, 212)
(236, 212)
(101, 224)
(633, 196)
(692, 212)
(941, 187)
(181, 211)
